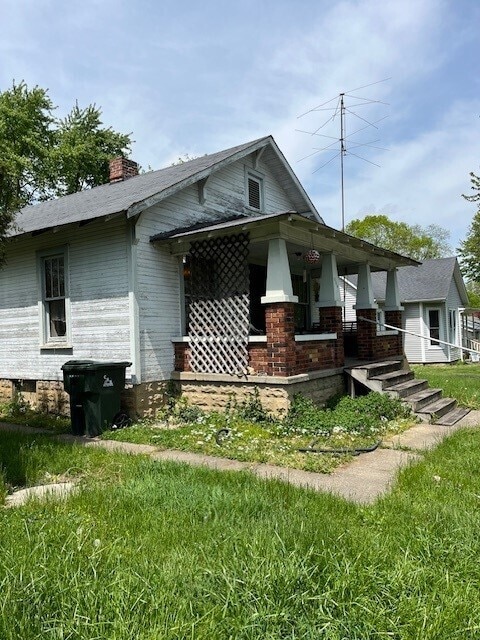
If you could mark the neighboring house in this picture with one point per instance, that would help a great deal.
(218, 273)
(435, 300)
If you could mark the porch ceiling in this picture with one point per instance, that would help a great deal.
(300, 233)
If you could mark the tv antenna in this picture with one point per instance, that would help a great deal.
(341, 109)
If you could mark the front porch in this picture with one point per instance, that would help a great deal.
(263, 309)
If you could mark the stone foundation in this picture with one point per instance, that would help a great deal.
(144, 400)
(214, 391)
(43, 395)
(208, 391)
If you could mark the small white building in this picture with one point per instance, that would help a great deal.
(434, 298)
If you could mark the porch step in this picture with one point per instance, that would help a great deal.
(452, 417)
(434, 411)
(405, 389)
(392, 378)
(423, 398)
(375, 369)
(427, 404)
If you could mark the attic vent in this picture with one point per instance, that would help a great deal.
(254, 193)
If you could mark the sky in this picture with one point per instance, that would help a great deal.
(188, 77)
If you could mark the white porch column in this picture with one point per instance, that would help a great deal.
(329, 294)
(279, 281)
(392, 294)
(365, 297)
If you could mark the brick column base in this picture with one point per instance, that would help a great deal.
(330, 320)
(394, 318)
(366, 333)
(280, 330)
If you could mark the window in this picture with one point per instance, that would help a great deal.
(434, 326)
(380, 320)
(301, 308)
(452, 325)
(254, 188)
(54, 297)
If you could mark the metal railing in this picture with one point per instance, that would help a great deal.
(418, 335)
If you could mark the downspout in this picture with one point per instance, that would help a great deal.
(134, 312)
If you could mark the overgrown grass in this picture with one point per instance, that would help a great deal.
(247, 433)
(460, 381)
(166, 551)
(27, 459)
(17, 411)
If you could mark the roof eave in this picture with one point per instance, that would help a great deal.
(294, 228)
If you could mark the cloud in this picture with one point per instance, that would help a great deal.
(190, 78)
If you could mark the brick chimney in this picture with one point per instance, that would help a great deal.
(122, 168)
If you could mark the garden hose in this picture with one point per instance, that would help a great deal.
(354, 451)
(220, 435)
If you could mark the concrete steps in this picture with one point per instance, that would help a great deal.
(393, 378)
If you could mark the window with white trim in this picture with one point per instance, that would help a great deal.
(380, 320)
(434, 326)
(53, 272)
(452, 325)
(254, 190)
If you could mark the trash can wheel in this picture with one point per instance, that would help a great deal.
(121, 420)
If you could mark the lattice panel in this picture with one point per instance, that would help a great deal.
(219, 316)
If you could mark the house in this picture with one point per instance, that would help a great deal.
(436, 308)
(217, 273)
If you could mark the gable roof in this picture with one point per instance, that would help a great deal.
(132, 196)
(430, 281)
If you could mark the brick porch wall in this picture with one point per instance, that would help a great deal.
(366, 334)
(280, 355)
(182, 356)
(331, 321)
(373, 347)
(395, 319)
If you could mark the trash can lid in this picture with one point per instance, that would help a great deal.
(75, 364)
(93, 365)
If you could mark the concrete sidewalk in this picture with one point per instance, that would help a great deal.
(363, 480)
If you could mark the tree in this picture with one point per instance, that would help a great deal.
(42, 156)
(419, 243)
(83, 149)
(26, 139)
(469, 249)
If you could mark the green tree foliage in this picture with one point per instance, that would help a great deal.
(83, 148)
(469, 249)
(419, 243)
(26, 139)
(42, 156)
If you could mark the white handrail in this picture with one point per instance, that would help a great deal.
(417, 335)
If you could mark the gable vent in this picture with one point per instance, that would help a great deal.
(254, 193)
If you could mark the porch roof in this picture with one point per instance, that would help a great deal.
(301, 233)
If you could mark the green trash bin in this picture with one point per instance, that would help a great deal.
(97, 387)
(74, 385)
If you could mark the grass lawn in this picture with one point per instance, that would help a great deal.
(150, 550)
(460, 381)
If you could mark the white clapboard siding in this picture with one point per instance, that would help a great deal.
(413, 322)
(158, 273)
(98, 291)
(348, 295)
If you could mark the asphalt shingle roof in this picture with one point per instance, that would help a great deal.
(110, 199)
(429, 281)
